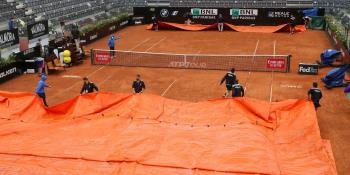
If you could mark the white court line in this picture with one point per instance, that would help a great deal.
(156, 44)
(105, 80)
(272, 74)
(271, 89)
(92, 73)
(167, 89)
(71, 76)
(139, 44)
(274, 47)
(256, 47)
(250, 71)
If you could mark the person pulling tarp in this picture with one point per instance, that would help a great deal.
(335, 77)
(329, 57)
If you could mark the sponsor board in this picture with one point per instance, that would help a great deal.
(198, 13)
(38, 29)
(276, 63)
(174, 13)
(204, 12)
(164, 13)
(245, 14)
(8, 38)
(8, 72)
(208, 15)
(104, 31)
(92, 37)
(29, 51)
(124, 23)
(103, 57)
(279, 14)
(28, 54)
(308, 69)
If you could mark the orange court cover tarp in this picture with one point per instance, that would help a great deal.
(125, 134)
(256, 29)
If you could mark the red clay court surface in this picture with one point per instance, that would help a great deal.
(198, 85)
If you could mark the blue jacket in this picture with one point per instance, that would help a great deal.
(41, 85)
(111, 42)
(11, 24)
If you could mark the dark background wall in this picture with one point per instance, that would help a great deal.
(236, 16)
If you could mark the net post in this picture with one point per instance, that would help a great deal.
(289, 57)
(92, 56)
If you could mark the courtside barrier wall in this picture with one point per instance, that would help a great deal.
(266, 63)
(338, 44)
(90, 37)
(233, 15)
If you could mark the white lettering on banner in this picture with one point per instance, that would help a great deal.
(244, 14)
(174, 13)
(204, 12)
(204, 17)
(244, 17)
(276, 63)
(93, 37)
(182, 64)
(280, 14)
(123, 23)
(8, 72)
(311, 69)
(28, 51)
(209, 11)
(103, 57)
(38, 28)
(248, 12)
(164, 13)
(306, 70)
(7, 37)
(291, 86)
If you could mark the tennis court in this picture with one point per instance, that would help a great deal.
(199, 85)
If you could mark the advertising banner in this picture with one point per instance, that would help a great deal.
(8, 38)
(102, 57)
(276, 63)
(236, 16)
(308, 69)
(8, 72)
(38, 29)
(87, 38)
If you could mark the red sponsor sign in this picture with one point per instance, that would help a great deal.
(276, 63)
(102, 57)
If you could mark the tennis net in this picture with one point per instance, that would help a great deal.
(267, 63)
